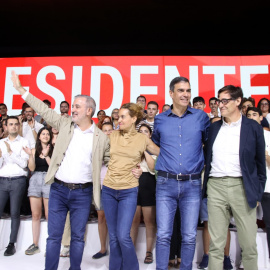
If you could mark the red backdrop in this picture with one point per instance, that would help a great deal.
(112, 81)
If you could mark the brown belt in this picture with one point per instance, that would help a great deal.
(71, 185)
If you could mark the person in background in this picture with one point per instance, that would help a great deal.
(104, 119)
(146, 202)
(4, 133)
(30, 127)
(55, 133)
(115, 117)
(176, 239)
(107, 128)
(199, 103)
(152, 111)
(39, 119)
(3, 111)
(247, 102)
(141, 101)
(13, 172)
(165, 107)
(100, 115)
(214, 108)
(256, 114)
(64, 108)
(38, 191)
(264, 106)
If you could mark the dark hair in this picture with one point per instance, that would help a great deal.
(64, 102)
(254, 109)
(177, 80)
(260, 101)
(142, 97)
(153, 103)
(212, 98)
(250, 99)
(147, 126)
(12, 117)
(101, 111)
(198, 99)
(134, 110)
(38, 143)
(107, 124)
(3, 104)
(46, 101)
(234, 91)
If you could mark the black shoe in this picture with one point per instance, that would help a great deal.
(10, 250)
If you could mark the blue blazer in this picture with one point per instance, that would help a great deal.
(252, 158)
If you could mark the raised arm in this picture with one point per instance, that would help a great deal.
(50, 116)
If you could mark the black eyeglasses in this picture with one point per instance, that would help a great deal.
(224, 101)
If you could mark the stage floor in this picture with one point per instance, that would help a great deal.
(20, 261)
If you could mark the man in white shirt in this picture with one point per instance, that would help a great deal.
(31, 127)
(74, 172)
(235, 178)
(13, 172)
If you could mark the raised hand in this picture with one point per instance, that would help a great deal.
(16, 82)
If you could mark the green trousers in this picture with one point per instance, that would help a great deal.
(226, 196)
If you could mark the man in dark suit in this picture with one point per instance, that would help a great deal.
(234, 177)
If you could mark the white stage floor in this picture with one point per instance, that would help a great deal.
(20, 261)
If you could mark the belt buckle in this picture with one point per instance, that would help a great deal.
(180, 174)
(71, 186)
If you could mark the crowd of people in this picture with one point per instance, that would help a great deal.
(170, 169)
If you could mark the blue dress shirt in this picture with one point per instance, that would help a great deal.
(181, 141)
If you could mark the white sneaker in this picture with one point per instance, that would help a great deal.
(65, 252)
(241, 266)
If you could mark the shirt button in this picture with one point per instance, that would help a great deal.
(180, 163)
(180, 144)
(180, 154)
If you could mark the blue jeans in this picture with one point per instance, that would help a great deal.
(169, 193)
(62, 200)
(12, 188)
(120, 207)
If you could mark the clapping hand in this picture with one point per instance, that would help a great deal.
(8, 147)
(27, 150)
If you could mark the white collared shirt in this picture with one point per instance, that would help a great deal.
(76, 166)
(28, 133)
(225, 159)
(15, 164)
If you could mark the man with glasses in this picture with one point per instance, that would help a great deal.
(234, 177)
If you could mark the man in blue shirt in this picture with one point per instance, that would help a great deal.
(180, 132)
